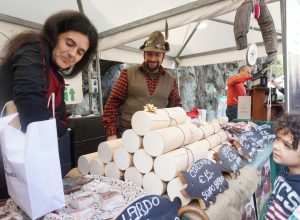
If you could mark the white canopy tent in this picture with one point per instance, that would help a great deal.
(123, 26)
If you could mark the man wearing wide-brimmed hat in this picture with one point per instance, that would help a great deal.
(147, 83)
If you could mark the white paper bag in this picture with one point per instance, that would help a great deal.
(32, 167)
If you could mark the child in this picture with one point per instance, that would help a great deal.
(285, 197)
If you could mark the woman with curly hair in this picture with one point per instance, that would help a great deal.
(285, 197)
(35, 64)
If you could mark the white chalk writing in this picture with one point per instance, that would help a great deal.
(141, 209)
(197, 166)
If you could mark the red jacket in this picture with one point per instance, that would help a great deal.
(236, 88)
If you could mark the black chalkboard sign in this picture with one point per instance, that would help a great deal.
(266, 133)
(204, 181)
(152, 207)
(229, 159)
(248, 143)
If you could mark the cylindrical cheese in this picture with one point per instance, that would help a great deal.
(207, 129)
(122, 158)
(133, 175)
(83, 162)
(216, 125)
(112, 171)
(142, 161)
(106, 149)
(153, 185)
(132, 142)
(96, 167)
(164, 140)
(167, 165)
(143, 122)
(174, 188)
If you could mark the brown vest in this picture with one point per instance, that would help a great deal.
(138, 94)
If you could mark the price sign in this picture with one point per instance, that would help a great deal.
(152, 207)
(204, 181)
(229, 159)
(248, 142)
(266, 134)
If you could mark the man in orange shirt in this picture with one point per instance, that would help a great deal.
(236, 88)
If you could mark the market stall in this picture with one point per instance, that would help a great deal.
(156, 170)
(198, 149)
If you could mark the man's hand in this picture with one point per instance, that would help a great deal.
(112, 137)
(274, 83)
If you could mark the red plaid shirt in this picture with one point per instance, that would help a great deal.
(118, 95)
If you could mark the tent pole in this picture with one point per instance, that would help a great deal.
(177, 78)
(80, 7)
(188, 40)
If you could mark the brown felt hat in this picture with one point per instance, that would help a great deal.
(156, 43)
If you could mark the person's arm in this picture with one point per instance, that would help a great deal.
(281, 89)
(238, 79)
(111, 108)
(29, 85)
(174, 98)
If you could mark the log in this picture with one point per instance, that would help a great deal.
(106, 149)
(174, 188)
(96, 167)
(153, 185)
(143, 122)
(83, 162)
(167, 165)
(167, 139)
(122, 158)
(131, 141)
(112, 171)
(142, 161)
(133, 175)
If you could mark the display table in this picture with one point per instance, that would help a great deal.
(234, 199)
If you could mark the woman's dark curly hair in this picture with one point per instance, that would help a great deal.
(55, 25)
(289, 123)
